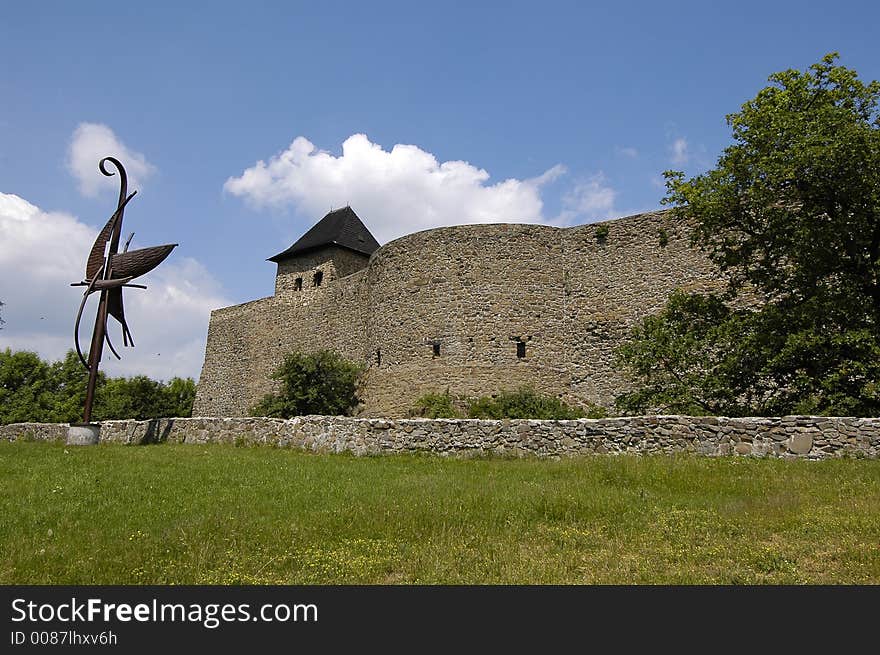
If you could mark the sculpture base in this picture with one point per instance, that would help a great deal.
(83, 434)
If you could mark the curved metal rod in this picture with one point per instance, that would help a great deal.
(107, 339)
(78, 317)
(123, 185)
(82, 304)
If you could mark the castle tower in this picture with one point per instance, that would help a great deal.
(336, 246)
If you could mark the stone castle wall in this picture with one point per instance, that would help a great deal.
(246, 343)
(473, 292)
(804, 437)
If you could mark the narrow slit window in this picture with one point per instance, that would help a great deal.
(521, 349)
(378, 358)
(298, 284)
(436, 349)
(319, 277)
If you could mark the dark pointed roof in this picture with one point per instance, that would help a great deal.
(342, 228)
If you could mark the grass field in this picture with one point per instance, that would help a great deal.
(180, 514)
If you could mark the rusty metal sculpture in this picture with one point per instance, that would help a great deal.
(108, 271)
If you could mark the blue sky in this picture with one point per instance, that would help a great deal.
(555, 112)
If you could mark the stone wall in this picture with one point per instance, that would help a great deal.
(446, 308)
(807, 437)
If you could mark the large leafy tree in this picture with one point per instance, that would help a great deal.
(791, 214)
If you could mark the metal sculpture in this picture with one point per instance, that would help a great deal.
(108, 271)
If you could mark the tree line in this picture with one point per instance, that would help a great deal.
(32, 389)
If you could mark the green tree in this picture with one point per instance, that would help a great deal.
(791, 214)
(180, 393)
(793, 207)
(34, 390)
(317, 383)
(137, 397)
(141, 398)
(26, 392)
(68, 381)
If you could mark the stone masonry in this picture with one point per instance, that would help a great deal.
(790, 437)
(474, 309)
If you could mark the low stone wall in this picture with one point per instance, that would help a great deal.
(790, 436)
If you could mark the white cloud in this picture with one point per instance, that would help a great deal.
(41, 253)
(91, 142)
(397, 192)
(679, 153)
(589, 197)
(631, 153)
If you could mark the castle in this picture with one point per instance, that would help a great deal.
(473, 309)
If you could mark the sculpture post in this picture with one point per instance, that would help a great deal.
(95, 351)
(108, 271)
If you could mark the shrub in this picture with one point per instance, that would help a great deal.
(317, 383)
(525, 402)
(596, 411)
(602, 233)
(437, 405)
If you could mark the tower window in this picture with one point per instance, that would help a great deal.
(521, 349)
(298, 284)
(436, 346)
(319, 277)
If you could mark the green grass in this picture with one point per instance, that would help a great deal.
(180, 514)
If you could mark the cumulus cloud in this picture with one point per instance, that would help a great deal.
(397, 191)
(678, 151)
(91, 142)
(592, 196)
(41, 253)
